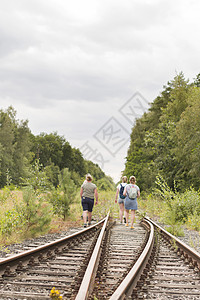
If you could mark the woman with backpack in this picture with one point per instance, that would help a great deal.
(132, 192)
(120, 190)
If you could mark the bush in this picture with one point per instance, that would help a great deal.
(187, 204)
(36, 212)
(11, 221)
(63, 196)
(193, 222)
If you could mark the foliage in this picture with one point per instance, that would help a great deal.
(151, 204)
(37, 177)
(105, 184)
(63, 196)
(20, 150)
(164, 191)
(187, 204)
(173, 225)
(106, 203)
(36, 212)
(54, 149)
(29, 216)
(180, 207)
(94, 169)
(166, 139)
(4, 194)
(193, 221)
(14, 146)
(11, 221)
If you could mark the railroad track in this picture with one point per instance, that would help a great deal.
(32, 274)
(106, 261)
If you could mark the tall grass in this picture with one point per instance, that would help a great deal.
(173, 208)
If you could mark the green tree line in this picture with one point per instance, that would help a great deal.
(165, 141)
(51, 153)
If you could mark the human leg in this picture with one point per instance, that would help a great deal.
(126, 216)
(85, 213)
(132, 217)
(90, 208)
(121, 211)
(89, 217)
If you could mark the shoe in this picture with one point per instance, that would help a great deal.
(132, 227)
(126, 224)
(85, 225)
(89, 224)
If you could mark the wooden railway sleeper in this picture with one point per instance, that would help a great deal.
(8, 272)
(21, 267)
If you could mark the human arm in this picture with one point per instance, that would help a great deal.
(96, 195)
(81, 192)
(116, 196)
(138, 193)
(124, 193)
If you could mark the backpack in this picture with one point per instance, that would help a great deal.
(121, 191)
(132, 194)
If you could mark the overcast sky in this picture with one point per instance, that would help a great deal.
(87, 69)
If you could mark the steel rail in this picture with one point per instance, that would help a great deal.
(187, 250)
(130, 281)
(90, 273)
(12, 262)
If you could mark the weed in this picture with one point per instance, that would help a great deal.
(55, 294)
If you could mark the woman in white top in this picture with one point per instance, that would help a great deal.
(120, 190)
(132, 192)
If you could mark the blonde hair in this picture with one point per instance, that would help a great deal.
(124, 179)
(88, 177)
(132, 179)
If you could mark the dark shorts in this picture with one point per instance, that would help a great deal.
(87, 203)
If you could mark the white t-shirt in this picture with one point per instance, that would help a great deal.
(119, 186)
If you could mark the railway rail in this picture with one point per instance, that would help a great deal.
(105, 261)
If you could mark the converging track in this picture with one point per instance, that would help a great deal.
(105, 261)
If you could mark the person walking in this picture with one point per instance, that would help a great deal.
(88, 192)
(120, 197)
(132, 192)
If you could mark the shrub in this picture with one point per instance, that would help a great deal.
(64, 195)
(11, 221)
(36, 212)
(187, 204)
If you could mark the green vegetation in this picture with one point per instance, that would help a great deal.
(30, 213)
(173, 208)
(40, 176)
(23, 156)
(64, 195)
(164, 155)
(40, 179)
(166, 139)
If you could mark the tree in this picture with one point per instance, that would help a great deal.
(36, 212)
(7, 127)
(37, 177)
(48, 148)
(197, 81)
(154, 140)
(15, 146)
(94, 169)
(188, 147)
(105, 184)
(63, 196)
(21, 152)
(178, 99)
